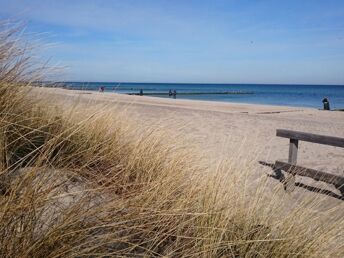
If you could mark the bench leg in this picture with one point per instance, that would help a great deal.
(289, 182)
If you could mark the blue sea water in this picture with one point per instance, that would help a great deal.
(269, 94)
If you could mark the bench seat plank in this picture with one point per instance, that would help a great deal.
(317, 175)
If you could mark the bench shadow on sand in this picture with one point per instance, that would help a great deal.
(278, 175)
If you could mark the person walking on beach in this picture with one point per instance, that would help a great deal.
(170, 93)
(174, 94)
(141, 92)
(326, 103)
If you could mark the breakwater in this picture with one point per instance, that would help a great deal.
(193, 93)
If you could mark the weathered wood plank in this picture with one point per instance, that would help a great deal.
(289, 183)
(293, 147)
(310, 137)
(317, 175)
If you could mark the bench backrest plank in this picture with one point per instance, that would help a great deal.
(310, 137)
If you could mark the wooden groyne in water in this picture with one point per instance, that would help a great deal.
(166, 93)
(194, 93)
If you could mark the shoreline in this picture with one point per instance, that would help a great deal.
(145, 98)
(303, 96)
(160, 94)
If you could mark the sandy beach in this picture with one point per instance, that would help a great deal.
(171, 129)
(225, 130)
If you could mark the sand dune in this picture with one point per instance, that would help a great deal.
(226, 130)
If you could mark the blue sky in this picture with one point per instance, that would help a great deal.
(218, 41)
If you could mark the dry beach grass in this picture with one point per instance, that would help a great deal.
(86, 181)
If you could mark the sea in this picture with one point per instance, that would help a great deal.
(267, 94)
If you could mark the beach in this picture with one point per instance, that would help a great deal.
(171, 129)
(197, 165)
(227, 130)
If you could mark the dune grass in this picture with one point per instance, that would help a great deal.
(82, 181)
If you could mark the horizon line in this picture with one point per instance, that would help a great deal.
(211, 83)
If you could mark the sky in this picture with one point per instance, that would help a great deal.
(190, 41)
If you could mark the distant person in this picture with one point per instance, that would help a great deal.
(141, 92)
(101, 89)
(174, 94)
(170, 93)
(326, 103)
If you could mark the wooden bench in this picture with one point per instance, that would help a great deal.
(293, 169)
